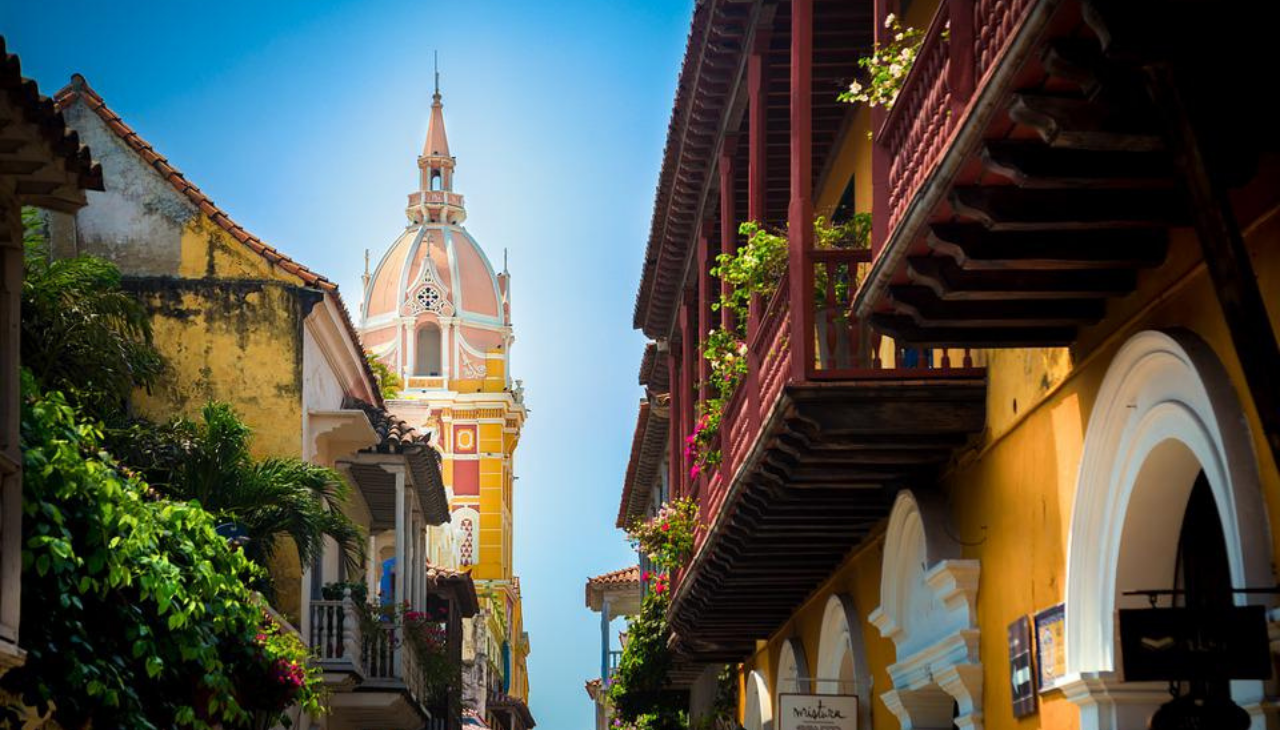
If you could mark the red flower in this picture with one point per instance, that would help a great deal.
(666, 526)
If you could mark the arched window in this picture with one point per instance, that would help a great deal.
(435, 180)
(427, 356)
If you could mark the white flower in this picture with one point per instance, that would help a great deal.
(855, 88)
(889, 20)
(898, 37)
(895, 70)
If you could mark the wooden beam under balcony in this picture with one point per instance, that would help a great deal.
(820, 481)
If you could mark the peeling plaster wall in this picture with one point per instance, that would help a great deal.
(138, 221)
(228, 322)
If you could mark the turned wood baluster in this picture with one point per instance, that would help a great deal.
(830, 270)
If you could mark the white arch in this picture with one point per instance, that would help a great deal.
(1166, 411)
(842, 656)
(793, 668)
(758, 713)
(928, 609)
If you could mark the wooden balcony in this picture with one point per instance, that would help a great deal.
(1028, 175)
(815, 443)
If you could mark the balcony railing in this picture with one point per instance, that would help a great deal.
(960, 50)
(839, 348)
(614, 657)
(436, 197)
(381, 656)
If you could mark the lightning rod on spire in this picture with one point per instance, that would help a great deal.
(437, 63)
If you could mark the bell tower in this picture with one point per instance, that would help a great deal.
(435, 201)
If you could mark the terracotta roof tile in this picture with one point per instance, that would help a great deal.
(617, 577)
(79, 89)
(647, 445)
(627, 577)
(45, 115)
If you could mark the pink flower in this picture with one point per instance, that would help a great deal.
(666, 526)
(694, 471)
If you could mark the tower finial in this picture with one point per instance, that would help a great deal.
(437, 59)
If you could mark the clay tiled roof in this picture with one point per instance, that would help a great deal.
(654, 374)
(79, 89)
(397, 437)
(464, 588)
(393, 433)
(625, 578)
(647, 445)
(45, 115)
(617, 577)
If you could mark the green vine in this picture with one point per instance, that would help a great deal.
(639, 692)
(136, 613)
(755, 270)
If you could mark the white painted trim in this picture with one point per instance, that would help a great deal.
(928, 609)
(841, 639)
(1166, 410)
(793, 669)
(758, 714)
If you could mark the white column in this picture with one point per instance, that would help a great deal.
(401, 526)
(411, 567)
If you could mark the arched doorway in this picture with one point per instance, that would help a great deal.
(758, 713)
(1167, 460)
(842, 656)
(793, 670)
(928, 608)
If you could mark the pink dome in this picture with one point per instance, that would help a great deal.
(435, 268)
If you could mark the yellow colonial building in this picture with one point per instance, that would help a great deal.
(1009, 462)
(437, 313)
(240, 322)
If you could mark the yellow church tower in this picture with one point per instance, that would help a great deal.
(437, 314)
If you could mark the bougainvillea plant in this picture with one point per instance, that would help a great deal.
(755, 270)
(640, 693)
(668, 537)
(887, 66)
(286, 675)
(136, 613)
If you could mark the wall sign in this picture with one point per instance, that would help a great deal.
(1021, 672)
(817, 712)
(1169, 644)
(1051, 646)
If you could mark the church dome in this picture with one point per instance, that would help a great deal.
(434, 307)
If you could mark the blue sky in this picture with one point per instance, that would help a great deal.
(303, 121)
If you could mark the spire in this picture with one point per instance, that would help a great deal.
(435, 201)
(437, 143)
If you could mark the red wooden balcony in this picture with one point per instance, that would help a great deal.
(1026, 178)
(815, 442)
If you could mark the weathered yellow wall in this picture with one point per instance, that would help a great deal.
(1014, 497)
(230, 329)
